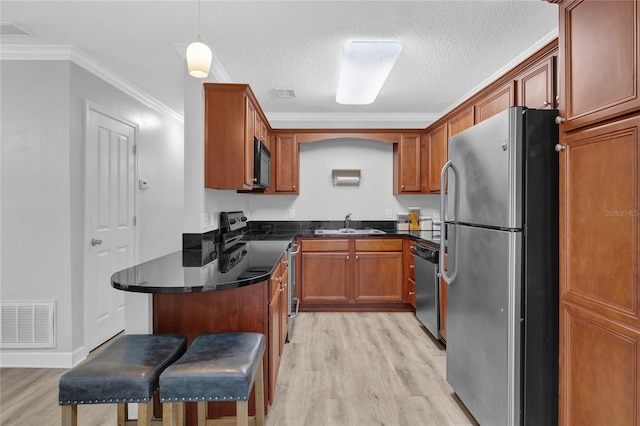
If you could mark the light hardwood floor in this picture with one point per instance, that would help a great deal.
(342, 369)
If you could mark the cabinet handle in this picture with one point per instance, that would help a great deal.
(411, 293)
(560, 148)
(402, 187)
(560, 120)
(294, 187)
(96, 242)
(412, 266)
(546, 103)
(357, 257)
(347, 257)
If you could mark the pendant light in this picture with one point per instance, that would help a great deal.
(198, 55)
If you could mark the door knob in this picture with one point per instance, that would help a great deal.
(560, 120)
(560, 148)
(95, 242)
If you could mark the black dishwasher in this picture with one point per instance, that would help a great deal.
(427, 288)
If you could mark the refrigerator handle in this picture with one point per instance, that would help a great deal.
(443, 231)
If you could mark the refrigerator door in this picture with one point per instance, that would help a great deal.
(483, 322)
(485, 187)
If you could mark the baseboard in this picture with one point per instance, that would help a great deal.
(41, 359)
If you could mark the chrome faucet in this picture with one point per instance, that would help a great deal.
(347, 221)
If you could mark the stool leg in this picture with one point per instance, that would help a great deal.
(144, 413)
(259, 395)
(173, 414)
(69, 415)
(203, 413)
(123, 414)
(242, 413)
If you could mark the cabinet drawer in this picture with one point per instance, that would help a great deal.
(324, 245)
(386, 244)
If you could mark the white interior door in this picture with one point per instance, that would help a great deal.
(110, 174)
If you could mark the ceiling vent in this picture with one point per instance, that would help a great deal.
(12, 29)
(286, 93)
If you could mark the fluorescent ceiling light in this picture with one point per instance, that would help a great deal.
(365, 67)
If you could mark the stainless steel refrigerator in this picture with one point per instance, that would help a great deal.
(499, 205)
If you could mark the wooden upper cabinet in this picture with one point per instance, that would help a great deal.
(285, 164)
(437, 149)
(494, 102)
(232, 120)
(599, 53)
(535, 85)
(407, 164)
(460, 122)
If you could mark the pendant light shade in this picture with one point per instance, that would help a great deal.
(198, 59)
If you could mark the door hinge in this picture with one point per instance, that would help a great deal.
(135, 149)
(135, 220)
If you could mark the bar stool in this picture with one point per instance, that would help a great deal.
(216, 367)
(126, 371)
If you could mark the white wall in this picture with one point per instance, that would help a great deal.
(42, 173)
(320, 200)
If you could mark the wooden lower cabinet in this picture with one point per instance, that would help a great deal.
(600, 361)
(352, 274)
(409, 273)
(378, 277)
(278, 322)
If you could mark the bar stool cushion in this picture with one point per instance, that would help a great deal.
(216, 367)
(126, 371)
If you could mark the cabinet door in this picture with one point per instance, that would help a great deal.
(275, 328)
(495, 102)
(437, 147)
(378, 277)
(599, 45)
(460, 122)
(249, 133)
(599, 197)
(407, 162)
(286, 163)
(599, 288)
(325, 277)
(284, 310)
(535, 86)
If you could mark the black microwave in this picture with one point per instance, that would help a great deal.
(261, 164)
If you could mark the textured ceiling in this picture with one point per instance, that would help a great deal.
(449, 47)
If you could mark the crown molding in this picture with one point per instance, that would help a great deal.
(407, 120)
(33, 52)
(515, 61)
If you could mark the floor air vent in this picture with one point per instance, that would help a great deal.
(27, 325)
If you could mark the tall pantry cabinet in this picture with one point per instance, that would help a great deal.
(599, 59)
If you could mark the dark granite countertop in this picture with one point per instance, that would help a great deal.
(265, 242)
(167, 274)
(269, 230)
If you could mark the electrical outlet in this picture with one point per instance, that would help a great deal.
(292, 213)
(389, 214)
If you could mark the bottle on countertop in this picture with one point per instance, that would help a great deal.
(414, 218)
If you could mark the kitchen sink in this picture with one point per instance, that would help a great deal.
(350, 231)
